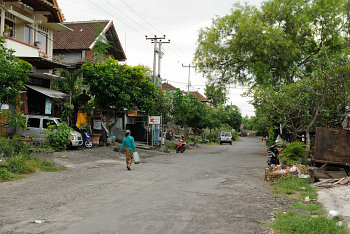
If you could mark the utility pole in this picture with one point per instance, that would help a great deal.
(189, 75)
(157, 40)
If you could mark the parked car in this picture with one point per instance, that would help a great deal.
(38, 124)
(225, 137)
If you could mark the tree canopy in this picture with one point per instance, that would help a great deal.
(272, 44)
(117, 86)
(13, 73)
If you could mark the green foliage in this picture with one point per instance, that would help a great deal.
(291, 222)
(14, 120)
(216, 95)
(116, 86)
(11, 148)
(4, 174)
(170, 144)
(13, 73)
(269, 45)
(18, 164)
(294, 153)
(293, 185)
(58, 136)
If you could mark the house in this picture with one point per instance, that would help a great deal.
(28, 27)
(167, 86)
(199, 96)
(76, 47)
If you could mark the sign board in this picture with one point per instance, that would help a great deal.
(48, 106)
(132, 112)
(154, 120)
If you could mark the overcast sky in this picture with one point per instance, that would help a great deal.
(179, 20)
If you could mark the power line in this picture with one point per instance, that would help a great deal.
(127, 16)
(140, 16)
(115, 17)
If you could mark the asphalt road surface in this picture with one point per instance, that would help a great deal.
(212, 189)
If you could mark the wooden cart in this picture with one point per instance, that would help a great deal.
(332, 147)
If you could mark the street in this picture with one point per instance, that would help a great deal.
(212, 189)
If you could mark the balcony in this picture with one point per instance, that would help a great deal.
(21, 48)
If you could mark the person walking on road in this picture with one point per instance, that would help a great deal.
(129, 144)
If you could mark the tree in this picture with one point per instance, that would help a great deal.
(188, 111)
(271, 45)
(318, 100)
(117, 86)
(215, 94)
(13, 73)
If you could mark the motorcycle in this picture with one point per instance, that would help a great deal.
(87, 140)
(181, 146)
(272, 155)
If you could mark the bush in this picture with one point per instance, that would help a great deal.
(294, 153)
(4, 174)
(58, 136)
(10, 148)
(171, 145)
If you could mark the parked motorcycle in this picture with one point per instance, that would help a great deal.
(272, 155)
(181, 146)
(87, 140)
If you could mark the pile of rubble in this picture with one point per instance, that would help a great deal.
(330, 183)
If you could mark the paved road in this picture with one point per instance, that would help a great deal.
(213, 189)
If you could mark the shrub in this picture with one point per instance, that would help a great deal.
(171, 145)
(294, 153)
(4, 174)
(58, 136)
(10, 148)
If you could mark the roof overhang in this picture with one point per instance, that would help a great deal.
(48, 92)
(46, 76)
(57, 27)
(42, 63)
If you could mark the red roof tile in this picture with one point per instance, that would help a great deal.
(198, 95)
(166, 86)
(82, 36)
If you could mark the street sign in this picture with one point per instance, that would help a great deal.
(154, 120)
(156, 135)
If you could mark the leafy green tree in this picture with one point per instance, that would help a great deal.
(117, 86)
(216, 95)
(273, 44)
(13, 73)
(188, 111)
(318, 100)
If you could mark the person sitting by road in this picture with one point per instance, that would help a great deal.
(130, 148)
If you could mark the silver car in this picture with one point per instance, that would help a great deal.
(37, 126)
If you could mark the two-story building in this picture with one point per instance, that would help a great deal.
(28, 27)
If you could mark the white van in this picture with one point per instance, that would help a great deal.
(225, 137)
(38, 124)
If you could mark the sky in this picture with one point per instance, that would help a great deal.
(179, 20)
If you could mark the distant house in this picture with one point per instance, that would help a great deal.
(76, 47)
(199, 96)
(168, 87)
(28, 27)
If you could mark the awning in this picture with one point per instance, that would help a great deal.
(42, 63)
(48, 92)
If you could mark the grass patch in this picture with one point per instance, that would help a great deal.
(170, 144)
(291, 222)
(312, 206)
(296, 220)
(292, 185)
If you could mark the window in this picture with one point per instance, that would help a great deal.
(27, 35)
(42, 42)
(33, 122)
(48, 122)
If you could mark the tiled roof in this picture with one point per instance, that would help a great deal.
(198, 95)
(82, 36)
(166, 86)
